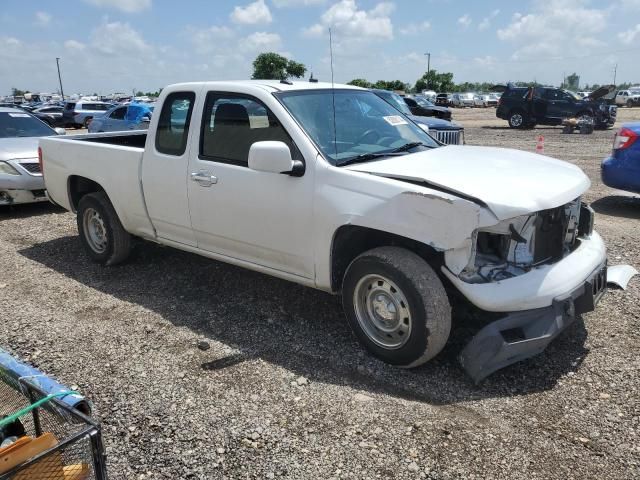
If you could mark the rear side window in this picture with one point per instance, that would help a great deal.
(173, 124)
(118, 113)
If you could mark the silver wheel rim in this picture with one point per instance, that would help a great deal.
(516, 120)
(94, 230)
(382, 311)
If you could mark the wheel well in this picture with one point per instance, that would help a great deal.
(350, 241)
(79, 187)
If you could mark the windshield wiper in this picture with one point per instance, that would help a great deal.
(366, 156)
(409, 146)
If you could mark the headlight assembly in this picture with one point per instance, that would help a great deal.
(7, 169)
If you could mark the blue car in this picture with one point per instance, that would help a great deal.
(622, 169)
(135, 116)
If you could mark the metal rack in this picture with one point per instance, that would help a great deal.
(77, 452)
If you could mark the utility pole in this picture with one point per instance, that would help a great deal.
(615, 71)
(428, 55)
(59, 77)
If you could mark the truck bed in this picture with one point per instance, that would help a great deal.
(112, 160)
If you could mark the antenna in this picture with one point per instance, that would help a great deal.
(333, 96)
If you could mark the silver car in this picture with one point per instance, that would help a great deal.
(20, 176)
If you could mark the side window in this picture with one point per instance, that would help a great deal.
(552, 94)
(173, 124)
(118, 113)
(232, 123)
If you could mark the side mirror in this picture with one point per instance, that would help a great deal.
(60, 131)
(145, 120)
(274, 157)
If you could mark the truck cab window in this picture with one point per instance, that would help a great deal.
(173, 124)
(231, 124)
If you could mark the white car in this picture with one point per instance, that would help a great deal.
(463, 100)
(255, 173)
(629, 98)
(20, 176)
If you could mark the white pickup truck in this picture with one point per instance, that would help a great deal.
(334, 189)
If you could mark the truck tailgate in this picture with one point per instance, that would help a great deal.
(116, 168)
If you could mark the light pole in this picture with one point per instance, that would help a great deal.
(428, 55)
(59, 77)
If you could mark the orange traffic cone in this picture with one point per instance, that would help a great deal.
(540, 145)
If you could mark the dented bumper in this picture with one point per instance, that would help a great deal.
(524, 334)
(539, 287)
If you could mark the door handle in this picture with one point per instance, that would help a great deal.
(205, 179)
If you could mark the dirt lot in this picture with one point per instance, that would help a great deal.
(285, 391)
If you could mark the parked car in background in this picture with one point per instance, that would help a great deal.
(420, 106)
(443, 100)
(628, 98)
(79, 114)
(50, 114)
(493, 99)
(481, 100)
(429, 95)
(20, 175)
(447, 132)
(622, 169)
(135, 116)
(462, 100)
(528, 106)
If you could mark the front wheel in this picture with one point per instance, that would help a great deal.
(102, 235)
(397, 306)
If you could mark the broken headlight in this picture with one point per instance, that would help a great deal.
(515, 246)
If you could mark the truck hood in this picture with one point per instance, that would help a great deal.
(435, 123)
(509, 182)
(18, 147)
(601, 92)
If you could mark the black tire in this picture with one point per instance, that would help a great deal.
(629, 103)
(86, 122)
(428, 319)
(518, 119)
(117, 241)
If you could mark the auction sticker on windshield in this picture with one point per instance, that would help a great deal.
(19, 115)
(395, 120)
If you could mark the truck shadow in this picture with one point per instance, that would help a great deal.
(626, 206)
(9, 212)
(298, 328)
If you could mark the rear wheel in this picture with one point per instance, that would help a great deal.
(104, 238)
(517, 119)
(396, 306)
(87, 121)
(629, 103)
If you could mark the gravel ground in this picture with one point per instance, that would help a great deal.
(278, 387)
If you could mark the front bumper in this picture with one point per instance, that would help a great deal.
(539, 287)
(524, 334)
(14, 197)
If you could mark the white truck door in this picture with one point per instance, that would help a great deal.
(164, 169)
(259, 217)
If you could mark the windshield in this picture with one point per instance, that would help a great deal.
(20, 124)
(396, 101)
(423, 102)
(573, 95)
(365, 125)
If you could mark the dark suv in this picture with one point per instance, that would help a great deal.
(528, 106)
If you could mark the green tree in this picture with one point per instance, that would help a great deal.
(390, 85)
(360, 82)
(572, 82)
(16, 92)
(432, 80)
(139, 93)
(272, 66)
